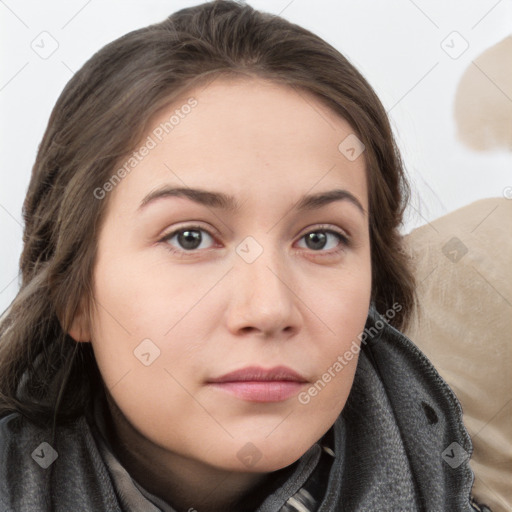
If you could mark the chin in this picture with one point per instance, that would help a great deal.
(264, 455)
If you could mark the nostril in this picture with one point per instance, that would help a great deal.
(429, 413)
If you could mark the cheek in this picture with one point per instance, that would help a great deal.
(145, 340)
(143, 307)
(342, 306)
(135, 302)
(142, 296)
(343, 297)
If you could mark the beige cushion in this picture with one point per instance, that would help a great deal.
(464, 326)
(482, 107)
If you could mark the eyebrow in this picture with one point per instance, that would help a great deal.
(226, 202)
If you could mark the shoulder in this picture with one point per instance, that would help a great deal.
(40, 472)
(18, 438)
(18, 477)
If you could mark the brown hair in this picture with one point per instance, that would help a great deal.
(102, 113)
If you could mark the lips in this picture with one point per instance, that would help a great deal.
(256, 373)
(256, 384)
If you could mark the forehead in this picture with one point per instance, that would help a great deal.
(252, 112)
(235, 133)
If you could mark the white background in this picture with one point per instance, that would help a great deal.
(396, 45)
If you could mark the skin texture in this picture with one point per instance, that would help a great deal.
(209, 311)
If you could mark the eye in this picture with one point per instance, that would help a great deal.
(321, 238)
(188, 239)
(192, 238)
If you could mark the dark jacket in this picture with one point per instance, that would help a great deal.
(398, 445)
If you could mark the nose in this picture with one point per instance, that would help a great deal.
(262, 298)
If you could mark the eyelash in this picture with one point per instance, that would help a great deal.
(344, 239)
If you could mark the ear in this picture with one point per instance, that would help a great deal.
(79, 329)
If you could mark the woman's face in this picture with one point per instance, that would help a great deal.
(253, 271)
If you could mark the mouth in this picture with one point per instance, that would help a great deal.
(256, 384)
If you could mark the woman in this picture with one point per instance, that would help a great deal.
(213, 280)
